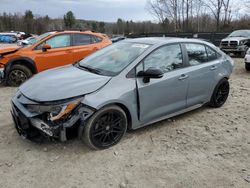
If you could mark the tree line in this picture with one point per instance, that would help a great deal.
(199, 15)
(171, 15)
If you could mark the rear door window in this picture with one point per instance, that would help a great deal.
(211, 54)
(81, 39)
(196, 53)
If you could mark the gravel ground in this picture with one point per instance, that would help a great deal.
(204, 148)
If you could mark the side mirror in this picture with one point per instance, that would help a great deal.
(46, 47)
(150, 73)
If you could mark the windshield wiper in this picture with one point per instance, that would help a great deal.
(90, 69)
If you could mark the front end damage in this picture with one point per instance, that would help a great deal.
(36, 121)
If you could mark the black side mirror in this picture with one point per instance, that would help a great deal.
(46, 47)
(150, 73)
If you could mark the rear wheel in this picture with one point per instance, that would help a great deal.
(105, 128)
(220, 94)
(247, 66)
(17, 75)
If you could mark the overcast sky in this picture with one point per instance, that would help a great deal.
(101, 10)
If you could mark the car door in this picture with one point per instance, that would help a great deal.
(83, 45)
(203, 68)
(168, 94)
(60, 53)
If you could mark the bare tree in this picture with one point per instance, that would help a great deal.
(165, 9)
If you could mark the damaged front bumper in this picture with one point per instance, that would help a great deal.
(31, 125)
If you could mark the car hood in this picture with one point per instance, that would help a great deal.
(62, 83)
(234, 39)
(8, 50)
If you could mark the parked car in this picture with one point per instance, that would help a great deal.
(126, 85)
(27, 41)
(237, 43)
(8, 37)
(51, 50)
(247, 60)
(117, 39)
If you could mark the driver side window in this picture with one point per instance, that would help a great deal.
(58, 41)
(166, 58)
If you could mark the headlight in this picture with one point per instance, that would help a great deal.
(242, 42)
(55, 112)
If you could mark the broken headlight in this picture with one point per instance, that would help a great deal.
(55, 112)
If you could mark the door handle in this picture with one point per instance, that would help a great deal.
(213, 68)
(183, 77)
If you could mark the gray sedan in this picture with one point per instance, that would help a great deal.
(126, 85)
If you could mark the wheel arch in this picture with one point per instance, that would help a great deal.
(29, 63)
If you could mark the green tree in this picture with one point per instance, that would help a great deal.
(94, 26)
(119, 26)
(69, 19)
(29, 21)
(28, 15)
(102, 27)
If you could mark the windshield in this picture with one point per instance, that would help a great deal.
(240, 33)
(41, 37)
(111, 60)
(36, 39)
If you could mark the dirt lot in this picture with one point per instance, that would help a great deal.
(204, 148)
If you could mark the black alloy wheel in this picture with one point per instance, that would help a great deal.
(220, 94)
(105, 128)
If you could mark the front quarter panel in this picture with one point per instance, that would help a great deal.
(119, 91)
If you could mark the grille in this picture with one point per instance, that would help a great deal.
(224, 43)
(233, 43)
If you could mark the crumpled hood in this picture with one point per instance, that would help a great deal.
(234, 39)
(62, 83)
(9, 50)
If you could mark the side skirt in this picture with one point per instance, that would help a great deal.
(171, 115)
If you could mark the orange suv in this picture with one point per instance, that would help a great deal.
(51, 49)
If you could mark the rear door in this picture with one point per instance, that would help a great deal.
(168, 94)
(83, 45)
(60, 53)
(203, 66)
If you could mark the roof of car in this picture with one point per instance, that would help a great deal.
(160, 40)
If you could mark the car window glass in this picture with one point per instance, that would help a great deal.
(113, 59)
(81, 39)
(59, 41)
(196, 53)
(95, 39)
(211, 54)
(166, 58)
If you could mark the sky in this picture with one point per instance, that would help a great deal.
(100, 10)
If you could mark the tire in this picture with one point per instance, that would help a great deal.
(99, 134)
(247, 66)
(17, 75)
(220, 94)
(242, 54)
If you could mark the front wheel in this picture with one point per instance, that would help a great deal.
(17, 75)
(105, 128)
(220, 94)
